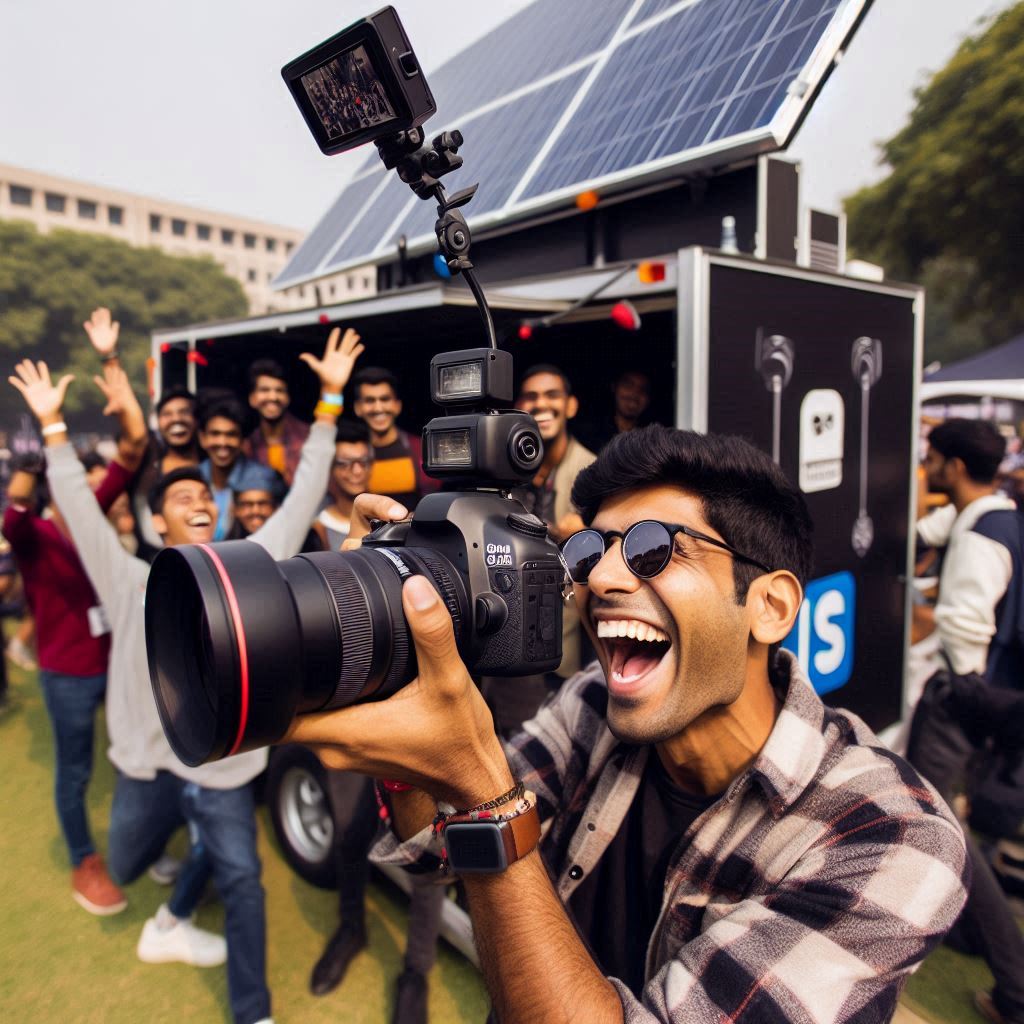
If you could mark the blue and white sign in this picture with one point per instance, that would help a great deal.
(823, 635)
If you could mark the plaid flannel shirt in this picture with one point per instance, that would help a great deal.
(293, 437)
(808, 892)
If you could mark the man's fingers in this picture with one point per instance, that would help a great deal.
(62, 384)
(374, 506)
(103, 386)
(349, 342)
(311, 361)
(16, 382)
(332, 340)
(430, 625)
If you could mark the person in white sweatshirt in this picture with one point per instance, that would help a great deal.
(155, 792)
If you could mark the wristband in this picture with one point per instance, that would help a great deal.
(110, 356)
(327, 409)
(392, 786)
(55, 428)
(332, 398)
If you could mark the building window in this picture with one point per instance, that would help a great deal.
(271, 244)
(227, 236)
(55, 203)
(154, 221)
(20, 196)
(350, 282)
(86, 209)
(330, 290)
(251, 275)
(302, 291)
(367, 282)
(250, 241)
(115, 214)
(203, 232)
(288, 246)
(270, 277)
(178, 227)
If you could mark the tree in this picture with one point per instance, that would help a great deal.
(950, 214)
(49, 284)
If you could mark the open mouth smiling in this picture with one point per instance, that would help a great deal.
(634, 649)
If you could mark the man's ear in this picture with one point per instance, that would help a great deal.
(160, 524)
(398, 407)
(252, 399)
(773, 602)
(572, 407)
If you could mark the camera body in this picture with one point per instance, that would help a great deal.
(509, 570)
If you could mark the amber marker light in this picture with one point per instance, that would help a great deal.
(587, 200)
(650, 273)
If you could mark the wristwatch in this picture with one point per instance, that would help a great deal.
(482, 844)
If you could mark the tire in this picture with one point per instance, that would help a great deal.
(296, 793)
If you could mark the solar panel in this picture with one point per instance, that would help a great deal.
(571, 94)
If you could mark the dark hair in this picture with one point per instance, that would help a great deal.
(265, 368)
(352, 431)
(225, 405)
(371, 375)
(546, 368)
(976, 443)
(176, 392)
(744, 495)
(159, 490)
(93, 460)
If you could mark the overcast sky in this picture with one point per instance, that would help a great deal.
(184, 100)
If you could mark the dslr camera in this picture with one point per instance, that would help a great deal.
(239, 643)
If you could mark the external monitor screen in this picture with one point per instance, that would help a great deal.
(347, 94)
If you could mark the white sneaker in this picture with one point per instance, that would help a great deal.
(183, 943)
(165, 871)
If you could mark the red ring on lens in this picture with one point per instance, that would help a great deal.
(243, 654)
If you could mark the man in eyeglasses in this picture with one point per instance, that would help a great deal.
(720, 845)
(353, 461)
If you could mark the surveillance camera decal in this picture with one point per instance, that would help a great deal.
(773, 359)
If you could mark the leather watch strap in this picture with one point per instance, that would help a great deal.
(522, 833)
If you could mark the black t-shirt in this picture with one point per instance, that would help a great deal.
(616, 907)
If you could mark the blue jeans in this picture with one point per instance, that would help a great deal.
(222, 826)
(72, 702)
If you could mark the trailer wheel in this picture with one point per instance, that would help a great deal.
(296, 793)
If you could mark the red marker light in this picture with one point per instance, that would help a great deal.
(625, 315)
(525, 332)
(324, 318)
(165, 348)
(198, 358)
(651, 273)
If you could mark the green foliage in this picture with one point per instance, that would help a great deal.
(49, 284)
(951, 212)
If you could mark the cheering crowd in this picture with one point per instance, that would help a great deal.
(716, 842)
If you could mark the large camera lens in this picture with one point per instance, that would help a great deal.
(239, 644)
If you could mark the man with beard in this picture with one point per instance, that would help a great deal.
(173, 445)
(225, 466)
(278, 438)
(155, 792)
(631, 395)
(397, 458)
(978, 622)
(720, 844)
(546, 394)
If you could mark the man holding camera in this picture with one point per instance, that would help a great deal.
(720, 845)
(155, 792)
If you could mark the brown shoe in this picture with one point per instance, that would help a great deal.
(92, 888)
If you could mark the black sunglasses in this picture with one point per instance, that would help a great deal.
(646, 548)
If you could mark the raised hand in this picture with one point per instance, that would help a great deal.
(102, 331)
(44, 398)
(118, 392)
(335, 368)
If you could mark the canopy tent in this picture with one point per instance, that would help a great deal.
(996, 373)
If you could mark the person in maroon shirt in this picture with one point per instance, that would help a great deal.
(73, 642)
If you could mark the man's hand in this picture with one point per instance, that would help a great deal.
(102, 331)
(436, 733)
(335, 368)
(122, 403)
(44, 398)
(368, 507)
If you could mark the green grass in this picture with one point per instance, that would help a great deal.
(60, 964)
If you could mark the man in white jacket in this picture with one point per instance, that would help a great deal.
(977, 624)
(155, 792)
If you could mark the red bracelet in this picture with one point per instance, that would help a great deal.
(396, 787)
